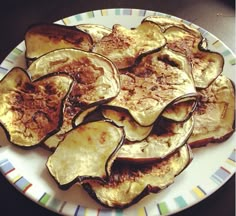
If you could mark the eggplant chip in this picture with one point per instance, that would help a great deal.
(165, 138)
(96, 80)
(206, 65)
(133, 131)
(87, 152)
(128, 183)
(215, 113)
(161, 79)
(123, 46)
(96, 31)
(44, 37)
(32, 111)
(167, 22)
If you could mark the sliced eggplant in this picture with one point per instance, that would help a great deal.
(42, 38)
(32, 111)
(133, 131)
(159, 80)
(53, 141)
(87, 152)
(165, 138)
(167, 22)
(123, 46)
(206, 64)
(96, 80)
(129, 183)
(181, 111)
(96, 31)
(215, 113)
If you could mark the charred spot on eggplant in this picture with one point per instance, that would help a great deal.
(25, 113)
(87, 152)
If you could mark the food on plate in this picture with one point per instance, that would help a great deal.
(87, 152)
(96, 81)
(159, 80)
(31, 110)
(129, 183)
(119, 109)
(165, 138)
(215, 113)
(123, 46)
(45, 37)
(96, 31)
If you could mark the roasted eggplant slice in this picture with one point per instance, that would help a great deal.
(123, 46)
(164, 139)
(96, 80)
(167, 22)
(96, 31)
(181, 111)
(87, 152)
(45, 37)
(215, 113)
(128, 183)
(32, 111)
(133, 131)
(159, 80)
(206, 65)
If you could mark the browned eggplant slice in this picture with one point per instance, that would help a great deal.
(123, 46)
(129, 183)
(165, 138)
(53, 141)
(42, 38)
(87, 152)
(31, 111)
(159, 80)
(133, 131)
(181, 111)
(215, 113)
(206, 64)
(96, 80)
(96, 31)
(167, 22)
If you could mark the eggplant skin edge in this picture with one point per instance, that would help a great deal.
(146, 191)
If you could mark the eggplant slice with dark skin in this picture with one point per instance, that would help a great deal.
(165, 138)
(96, 81)
(123, 46)
(215, 113)
(87, 152)
(161, 79)
(42, 38)
(31, 111)
(206, 65)
(133, 131)
(129, 183)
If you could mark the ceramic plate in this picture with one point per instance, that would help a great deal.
(212, 166)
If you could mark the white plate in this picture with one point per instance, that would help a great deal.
(211, 168)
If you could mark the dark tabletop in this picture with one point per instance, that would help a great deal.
(216, 16)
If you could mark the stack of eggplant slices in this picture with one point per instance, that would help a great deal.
(119, 109)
